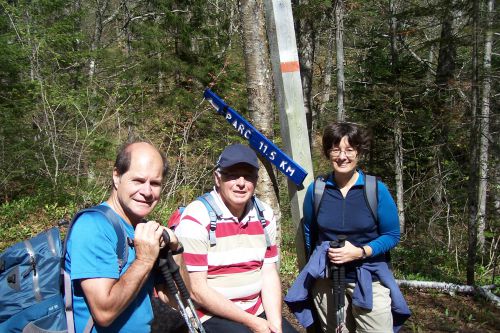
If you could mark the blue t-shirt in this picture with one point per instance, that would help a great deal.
(91, 253)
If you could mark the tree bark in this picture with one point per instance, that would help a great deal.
(452, 288)
(398, 133)
(306, 46)
(473, 166)
(326, 79)
(442, 110)
(398, 157)
(339, 47)
(484, 130)
(259, 87)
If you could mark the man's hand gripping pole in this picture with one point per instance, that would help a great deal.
(177, 288)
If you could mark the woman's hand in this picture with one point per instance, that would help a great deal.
(347, 253)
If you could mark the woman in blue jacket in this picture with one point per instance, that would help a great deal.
(344, 211)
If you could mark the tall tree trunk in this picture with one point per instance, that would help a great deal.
(259, 87)
(305, 37)
(398, 134)
(96, 38)
(326, 82)
(474, 137)
(442, 112)
(398, 157)
(484, 129)
(339, 42)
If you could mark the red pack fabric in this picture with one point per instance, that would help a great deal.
(175, 218)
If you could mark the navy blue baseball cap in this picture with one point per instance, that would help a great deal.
(237, 153)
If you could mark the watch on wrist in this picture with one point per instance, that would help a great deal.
(364, 252)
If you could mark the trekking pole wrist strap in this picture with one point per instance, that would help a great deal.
(180, 249)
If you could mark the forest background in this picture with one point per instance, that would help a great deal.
(77, 78)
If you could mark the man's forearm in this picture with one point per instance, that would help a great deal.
(109, 298)
(271, 295)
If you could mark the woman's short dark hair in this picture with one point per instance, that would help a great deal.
(356, 135)
(122, 162)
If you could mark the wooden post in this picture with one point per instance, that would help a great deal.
(286, 72)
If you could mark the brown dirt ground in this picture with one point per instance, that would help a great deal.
(440, 313)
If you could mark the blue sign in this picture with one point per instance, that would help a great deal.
(257, 140)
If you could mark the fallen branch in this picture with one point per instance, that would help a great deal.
(452, 288)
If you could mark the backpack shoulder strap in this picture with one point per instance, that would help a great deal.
(214, 212)
(319, 189)
(111, 217)
(371, 195)
(121, 252)
(259, 207)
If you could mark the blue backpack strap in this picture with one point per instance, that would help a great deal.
(260, 214)
(214, 213)
(371, 195)
(111, 217)
(121, 252)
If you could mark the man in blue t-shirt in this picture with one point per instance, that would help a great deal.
(119, 301)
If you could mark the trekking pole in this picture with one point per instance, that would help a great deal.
(177, 287)
(342, 283)
(337, 273)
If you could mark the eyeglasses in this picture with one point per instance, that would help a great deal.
(230, 176)
(349, 153)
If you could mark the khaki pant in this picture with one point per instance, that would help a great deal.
(378, 320)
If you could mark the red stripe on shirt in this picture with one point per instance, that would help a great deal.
(231, 229)
(235, 268)
(246, 298)
(191, 218)
(195, 259)
(253, 310)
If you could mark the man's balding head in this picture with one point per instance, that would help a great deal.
(122, 162)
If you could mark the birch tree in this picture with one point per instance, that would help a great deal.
(339, 47)
(477, 222)
(259, 87)
(484, 128)
(398, 135)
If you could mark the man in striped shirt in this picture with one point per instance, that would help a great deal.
(235, 282)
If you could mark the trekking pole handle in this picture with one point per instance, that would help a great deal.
(342, 282)
(174, 270)
(176, 285)
(341, 240)
(166, 237)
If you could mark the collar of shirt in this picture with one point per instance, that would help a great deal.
(250, 215)
(360, 181)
